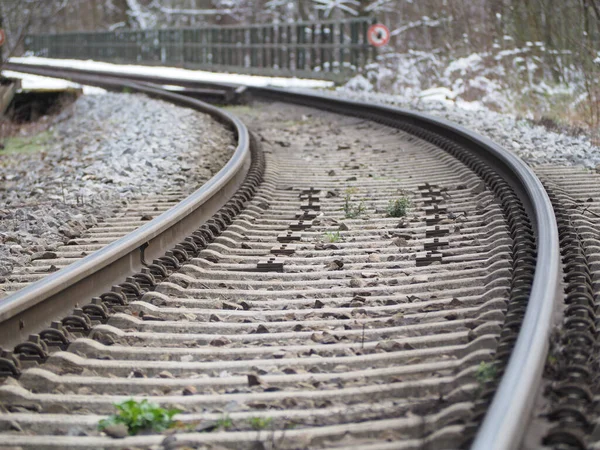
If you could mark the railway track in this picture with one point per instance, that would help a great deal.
(136, 213)
(373, 278)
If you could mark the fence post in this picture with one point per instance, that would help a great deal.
(342, 48)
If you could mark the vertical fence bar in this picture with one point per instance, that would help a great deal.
(323, 40)
(214, 51)
(342, 49)
(229, 47)
(263, 47)
(205, 52)
(313, 50)
(290, 53)
(222, 53)
(354, 42)
(272, 42)
(280, 64)
(240, 50)
(297, 30)
(253, 39)
(302, 48)
(369, 52)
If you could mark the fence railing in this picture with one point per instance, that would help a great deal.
(328, 50)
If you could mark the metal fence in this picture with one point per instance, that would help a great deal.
(331, 50)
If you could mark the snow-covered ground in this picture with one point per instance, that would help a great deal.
(36, 82)
(175, 72)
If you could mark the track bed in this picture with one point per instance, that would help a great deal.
(336, 325)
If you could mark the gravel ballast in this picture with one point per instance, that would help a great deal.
(102, 152)
(535, 144)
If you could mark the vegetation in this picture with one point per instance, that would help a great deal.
(140, 416)
(260, 423)
(225, 422)
(26, 144)
(333, 236)
(398, 207)
(352, 209)
(486, 371)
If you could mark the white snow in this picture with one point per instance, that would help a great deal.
(438, 94)
(175, 72)
(462, 65)
(135, 10)
(35, 82)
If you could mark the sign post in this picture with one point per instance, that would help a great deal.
(378, 35)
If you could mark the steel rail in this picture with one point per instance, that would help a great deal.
(508, 415)
(505, 423)
(32, 308)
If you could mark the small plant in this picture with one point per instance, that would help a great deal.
(333, 236)
(127, 90)
(485, 372)
(398, 207)
(352, 210)
(260, 423)
(139, 416)
(225, 422)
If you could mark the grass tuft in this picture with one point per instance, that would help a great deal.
(140, 416)
(260, 423)
(225, 422)
(26, 144)
(486, 371)
(333, 236)
(398, 207)
(352, 209)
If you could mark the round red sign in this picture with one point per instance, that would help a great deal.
(378, 35)
(2, 37)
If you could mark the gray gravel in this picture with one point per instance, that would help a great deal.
(535, 144)
(104, 151)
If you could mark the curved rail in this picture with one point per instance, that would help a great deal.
(507, 417)
(505, 422)
(31, 309)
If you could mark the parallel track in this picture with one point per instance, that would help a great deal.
(374, 340)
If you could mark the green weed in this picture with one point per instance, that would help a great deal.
(260, 423)
(485, 372)
(352, 210)
(139, 416)
(26, 144)
(225, 422)
(333, 236)
(398, 207)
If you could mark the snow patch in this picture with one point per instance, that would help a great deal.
(38, 83)
(175, 72)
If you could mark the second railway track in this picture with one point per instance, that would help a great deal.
(305, 306)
